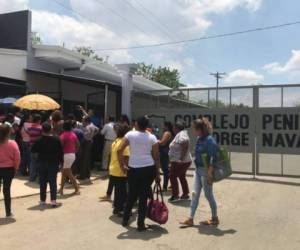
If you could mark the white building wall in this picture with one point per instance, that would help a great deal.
(13, 63)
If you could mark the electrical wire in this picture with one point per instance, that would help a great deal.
(203, 38)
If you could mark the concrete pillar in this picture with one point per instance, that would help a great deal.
(126, 71)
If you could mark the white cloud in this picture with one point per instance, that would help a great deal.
(189, 62)
(291, 67)
(156, 20)
(243, 77)
(12, 5)
(175, 65)
(157, 57)
(72, 32)
(115, 23)
(185, 64)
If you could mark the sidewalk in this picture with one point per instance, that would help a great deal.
(21, 187)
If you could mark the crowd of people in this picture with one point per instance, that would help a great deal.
(38, 145)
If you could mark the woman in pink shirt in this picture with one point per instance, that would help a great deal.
(9, 164)
(70, 145)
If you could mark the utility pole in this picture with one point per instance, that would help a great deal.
(218, 76)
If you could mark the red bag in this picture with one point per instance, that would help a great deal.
(157, 210)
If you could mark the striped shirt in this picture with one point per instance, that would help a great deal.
(35, 132)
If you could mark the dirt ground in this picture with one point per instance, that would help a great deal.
(254, 215)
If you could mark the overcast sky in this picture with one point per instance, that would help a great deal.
(267, 57)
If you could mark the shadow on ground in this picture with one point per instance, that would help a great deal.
(213, 230)
(66, 196)
(32, 184)
(153, 232)
(86, 182)
(281, 182)
(181, 203)
(43, 208)
(6, 221)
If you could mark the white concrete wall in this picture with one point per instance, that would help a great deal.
(13, 63)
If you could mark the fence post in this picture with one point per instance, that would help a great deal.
(255, 153)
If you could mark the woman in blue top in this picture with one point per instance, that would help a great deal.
(203, 176)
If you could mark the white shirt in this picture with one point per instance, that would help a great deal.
(90, 131)
(17, 121)
(175, 148)
(109, 132)
(140, 147)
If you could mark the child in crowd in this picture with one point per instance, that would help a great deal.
(118, 174)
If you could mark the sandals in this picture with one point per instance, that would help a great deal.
(105, 198)
(211, 222)
(77, 192)
(187, 223)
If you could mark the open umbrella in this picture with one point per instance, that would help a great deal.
(8, 100)
(36, 102)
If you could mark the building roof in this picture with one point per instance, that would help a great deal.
(141, 83)
(66, 58)
(12, 52)
(70, 59)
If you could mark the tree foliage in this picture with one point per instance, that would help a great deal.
(88, 52)
(36, 38)
(163, 75)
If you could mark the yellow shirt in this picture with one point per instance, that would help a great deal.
(114, 167)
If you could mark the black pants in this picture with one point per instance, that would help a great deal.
(76, 165)
(48, 174)
(164, 161)
(110, 187)
(6, 176)
(139, 183)
(119, 183)
(85, 160)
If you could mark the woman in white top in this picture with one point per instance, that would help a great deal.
(143, 168)
(181, 160)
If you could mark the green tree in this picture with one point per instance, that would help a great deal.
(163, 75)
(35, 38)
(88, 52)
(212, 103)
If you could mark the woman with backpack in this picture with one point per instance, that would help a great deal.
(203, 176)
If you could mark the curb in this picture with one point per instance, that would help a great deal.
(34, 194)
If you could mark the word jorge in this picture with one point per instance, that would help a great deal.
(229, 129)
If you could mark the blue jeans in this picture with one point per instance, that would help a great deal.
(200, 181)
(48, 174)
(33, 169)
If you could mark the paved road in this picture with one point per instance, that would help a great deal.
(254, 215)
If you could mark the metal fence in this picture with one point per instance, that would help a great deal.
(272, 111)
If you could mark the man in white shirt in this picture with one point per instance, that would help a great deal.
(109, 136)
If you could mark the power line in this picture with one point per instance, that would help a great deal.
(122, 17)
(163, 28)
(83, 17)
(170, 35)
(146, 17)
(205, 37)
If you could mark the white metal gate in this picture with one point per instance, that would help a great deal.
(259, 124)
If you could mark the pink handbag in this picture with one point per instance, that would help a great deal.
(157, 210)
